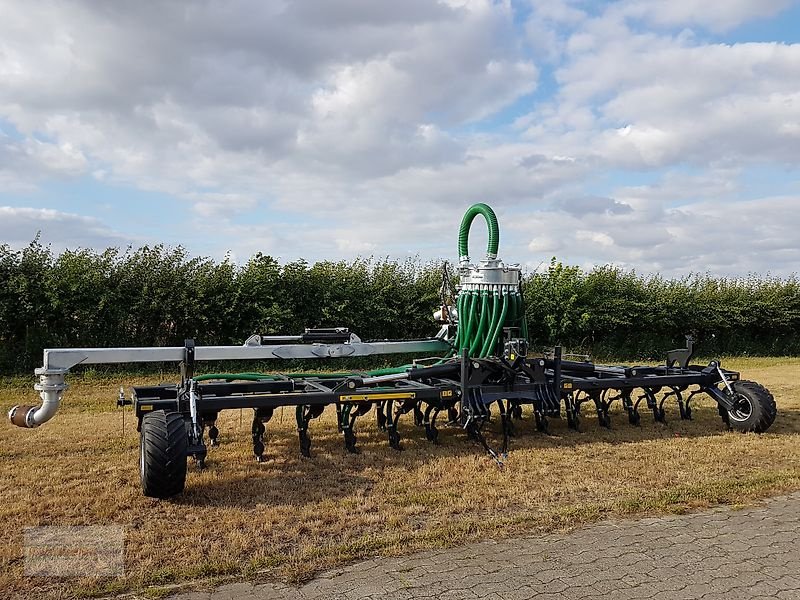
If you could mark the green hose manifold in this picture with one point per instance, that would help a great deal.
(490, 296)
(489, 301)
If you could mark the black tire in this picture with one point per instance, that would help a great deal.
(163, 445)
(755, 407)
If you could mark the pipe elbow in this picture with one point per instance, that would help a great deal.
(51, 388)
(24, 415)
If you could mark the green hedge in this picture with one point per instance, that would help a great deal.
(612, 312)
(160, 296)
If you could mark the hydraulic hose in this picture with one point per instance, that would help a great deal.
(463, 233)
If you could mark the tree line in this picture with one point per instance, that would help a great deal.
(155, 296)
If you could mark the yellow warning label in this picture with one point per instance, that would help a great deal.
(144, 407)
(446, 394)
(378, 396)
(566, 385)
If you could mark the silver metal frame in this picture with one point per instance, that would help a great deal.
(58, 361)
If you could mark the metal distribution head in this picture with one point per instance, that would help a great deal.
(490, 272)
(489, 307)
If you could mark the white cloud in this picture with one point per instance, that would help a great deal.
(205, 97)
(716, 236)
(23, 163)
(642, 100)
(20, 225)
(370, 126)
(716, 16)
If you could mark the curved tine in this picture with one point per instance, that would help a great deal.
(435, 414)
(406, 407)
(426, 415)
(389, 412)
(380, 416)
(418, 416)
(664, 398)
(363, 409)
(650, 394)
(639, 399)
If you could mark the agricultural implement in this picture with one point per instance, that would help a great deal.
(480, 365)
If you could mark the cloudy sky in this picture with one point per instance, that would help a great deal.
(660, 135)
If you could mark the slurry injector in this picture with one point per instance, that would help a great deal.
(477, 363)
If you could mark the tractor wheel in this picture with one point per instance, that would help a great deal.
(754, 407)
(163, 444)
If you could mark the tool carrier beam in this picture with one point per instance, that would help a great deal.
(476, 365)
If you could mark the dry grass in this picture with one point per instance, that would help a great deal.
(290, 517)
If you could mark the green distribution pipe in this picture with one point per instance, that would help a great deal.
(480, 333)
(490, 322)
(482, 318)
(485, 347)
(469, 314)
(495, 313)
(491, 342)
(235, 376)
(389, 371)
(491, 222)
(323, 375)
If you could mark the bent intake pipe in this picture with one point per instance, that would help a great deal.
(51, 388)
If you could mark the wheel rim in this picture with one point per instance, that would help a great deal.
(742, 408)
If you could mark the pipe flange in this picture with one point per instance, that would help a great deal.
(51, 380)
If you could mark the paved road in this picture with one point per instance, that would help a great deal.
(720, 554)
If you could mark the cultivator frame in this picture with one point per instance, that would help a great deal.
(483, 363)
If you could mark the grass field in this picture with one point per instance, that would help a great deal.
(289, 517)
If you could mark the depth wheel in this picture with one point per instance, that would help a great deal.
(754, 407)
(163, 444)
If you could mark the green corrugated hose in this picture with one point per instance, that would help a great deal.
(491, 222)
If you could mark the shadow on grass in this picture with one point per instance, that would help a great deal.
(332, 474)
